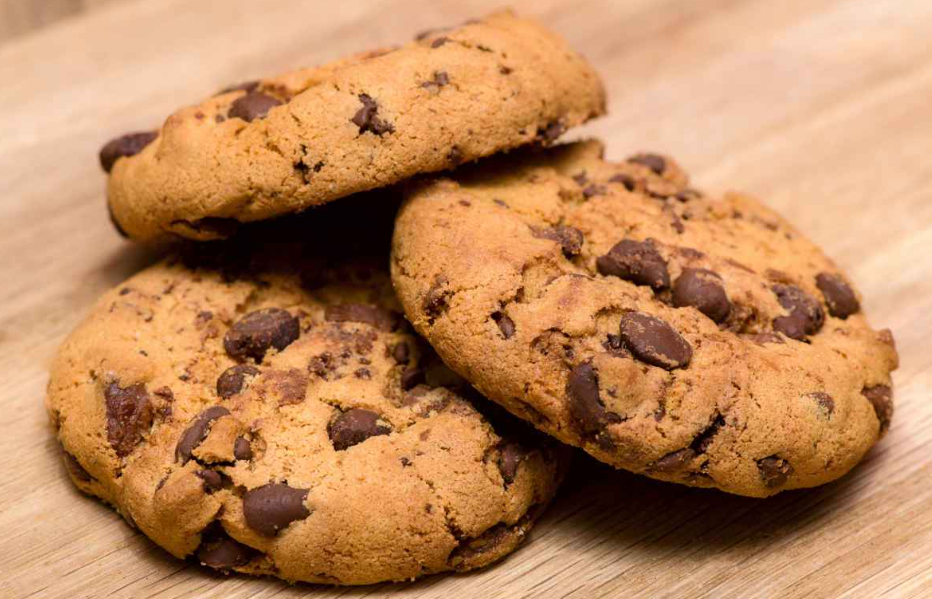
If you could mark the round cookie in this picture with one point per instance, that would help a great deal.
(693, 339)
(283, 144)
(283, 420)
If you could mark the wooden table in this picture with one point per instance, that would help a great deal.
(823, 107)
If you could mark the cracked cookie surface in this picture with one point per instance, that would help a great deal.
(283, 144)
(694, 339)
(272, 415)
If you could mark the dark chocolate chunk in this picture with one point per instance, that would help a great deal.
(233, 378)
(129, 416)
(805, 315)
(881, 398)
(124, 146)
(355, 426)
(654, 162)
(841, 300)
(569, 238)
(653, 341)
(197, 432)
(212, 481)
(505, 324)
(271, 508)
(511, 455)
(703, 290)
(218, 550)
(242, 449)
(254, 105)
(774, 471)
(635, 261)
(367, 118)
(253, 335)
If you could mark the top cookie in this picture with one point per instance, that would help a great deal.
(270, 415)
(280, 145)
(693, 339)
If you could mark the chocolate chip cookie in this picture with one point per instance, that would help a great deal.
(270, 415)
(692, 338)
(279, 145)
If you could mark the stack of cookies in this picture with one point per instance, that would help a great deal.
(393, 303)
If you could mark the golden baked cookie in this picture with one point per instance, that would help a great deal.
(267, 414)
(691, 338)
(283, 144)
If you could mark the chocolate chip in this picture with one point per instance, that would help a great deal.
(165, 394)
(435, 301)
(581, 178)
(322, 365)
(381, 318)
(675, 221)
(253, 335)
(505, 324)
(272, 507)
(653, 341)
(412, 377)
(593, 190)
(367, 119)
(246, 86)
(510, 457)
(824, 401)
(470, 548)
(569, 238)
(505, 70)
(439, 42)
(704, 439)
(654, 162)
(124, 146)
(212, 481)
(839, 296)
(455, 156)
(635, 261)
(585, 405)
(440, 79)
(675, 461)
(116, 224)
(687, 194)
(551, 132)
(805, 315)
(881, 398)
(252, 106)
(75, 468)
(197, 432)
(626, 180)
(401, 353)
(129, 415)
(774, 471)
(703, 290)
(219, 551)
(242, 449)
(233, 378)
(355, 426)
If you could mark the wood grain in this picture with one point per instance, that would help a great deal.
(819, 106)
(22, 16)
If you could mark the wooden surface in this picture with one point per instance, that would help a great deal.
(822, 107)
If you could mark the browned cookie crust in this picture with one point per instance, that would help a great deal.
(280, 145)
(694, 339)
(269, 416)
